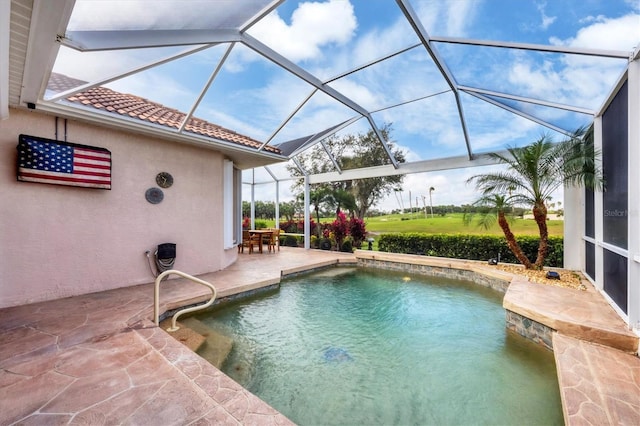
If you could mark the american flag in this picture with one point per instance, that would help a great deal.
(48, 161)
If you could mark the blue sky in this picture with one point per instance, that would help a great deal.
(253, 96)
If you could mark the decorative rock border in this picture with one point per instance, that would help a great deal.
(435, 267)
(530, 329)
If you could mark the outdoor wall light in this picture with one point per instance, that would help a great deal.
(370, 241)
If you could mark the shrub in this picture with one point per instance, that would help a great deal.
(325, 244)
(347, 247)
(290, 241)
(340, 228)
(297, 226)
(472, 247)
(357, 231)
(326, 230)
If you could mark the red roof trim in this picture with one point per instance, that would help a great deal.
(142, 109)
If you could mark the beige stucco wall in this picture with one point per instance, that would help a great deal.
(58, 241)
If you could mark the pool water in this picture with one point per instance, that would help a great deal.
(371, 347)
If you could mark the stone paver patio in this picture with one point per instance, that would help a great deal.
(99, 359)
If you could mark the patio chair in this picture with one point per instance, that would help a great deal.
(268, 239)
(275, 238)
(248, 241)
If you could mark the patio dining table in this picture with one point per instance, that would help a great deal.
(262, 233)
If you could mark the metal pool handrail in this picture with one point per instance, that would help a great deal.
(156, 298)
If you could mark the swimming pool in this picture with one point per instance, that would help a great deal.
(373, 347)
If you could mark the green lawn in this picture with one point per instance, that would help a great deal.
(449, 224)
(453, 224)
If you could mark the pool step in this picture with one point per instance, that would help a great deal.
(215, 347)
(185, 335)
(334, 272)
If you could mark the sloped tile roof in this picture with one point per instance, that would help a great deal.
(139, 108)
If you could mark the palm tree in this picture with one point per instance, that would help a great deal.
(534, 172)
(431, 201)
(499, 207)
(316, 198)
(341, 199)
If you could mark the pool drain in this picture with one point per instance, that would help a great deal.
(332, 354)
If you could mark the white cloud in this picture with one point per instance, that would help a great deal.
(358, 93)
(434, 122)
(538, 80)
(92, 66)
(231, 122)
(380, 41)
(452, 18)
(450, 187)
(581, 82)
(578, 80)
(621, 33)
(318, 115)
(546, 20)
(172, 95)
(634, 4)
(589, 19)
(313, 26)
(153, 14)
(460, 16)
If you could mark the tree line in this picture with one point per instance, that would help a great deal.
(289, 210)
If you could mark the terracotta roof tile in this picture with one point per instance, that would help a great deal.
(142, 109)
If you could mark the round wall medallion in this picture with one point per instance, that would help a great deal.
(164, 180)
(154, 195)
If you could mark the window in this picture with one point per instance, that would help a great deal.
(590, 259)
(615, 278)
(615, 169)
(228, 205)
(589, 213)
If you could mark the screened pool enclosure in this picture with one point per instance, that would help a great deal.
(457, 80)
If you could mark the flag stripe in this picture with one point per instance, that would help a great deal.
(63, 177)
(82, 154)
(91, 164)
(67, 183)
(92, 152)
(91, 170)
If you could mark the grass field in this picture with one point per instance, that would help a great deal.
(453, 224)
(449, 224)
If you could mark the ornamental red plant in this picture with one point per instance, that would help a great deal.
(357, 231)
(340, 229)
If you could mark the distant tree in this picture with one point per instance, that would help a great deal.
(263, 210)
(430, 200)
(375, 212)
(353, 152)
(340, 199)
(317, 197)
(288, 209)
